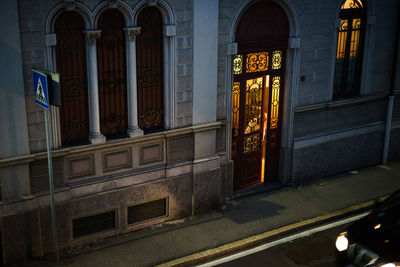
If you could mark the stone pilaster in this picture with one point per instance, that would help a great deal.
(95, 136)
(133, 126)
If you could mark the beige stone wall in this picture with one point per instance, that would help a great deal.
(98, 178)
(33, 15)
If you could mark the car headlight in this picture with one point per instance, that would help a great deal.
(342, 243)
(390, 265)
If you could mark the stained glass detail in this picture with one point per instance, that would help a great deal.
(341, 48)
(257, 62)
(349, 4)
(276, 59)
(254, 88)
(355, 37)
(251, 143)
(235, 107)
(275, 102)
(238, 64)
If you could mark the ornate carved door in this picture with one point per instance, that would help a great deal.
(256, 114)
(258, 71)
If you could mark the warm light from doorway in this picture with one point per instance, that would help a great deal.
(265, 123)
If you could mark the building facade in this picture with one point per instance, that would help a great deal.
(168, 107)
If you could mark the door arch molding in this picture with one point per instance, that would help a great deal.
(290, 90)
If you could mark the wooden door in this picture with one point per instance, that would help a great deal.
(256, 117)
(250, 130)
(262, 36)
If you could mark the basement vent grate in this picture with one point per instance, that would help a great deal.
(94, 224)
(147, 211)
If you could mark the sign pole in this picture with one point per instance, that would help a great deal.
(41, 88)
(51, 184)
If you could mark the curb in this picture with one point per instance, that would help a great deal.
(210, 254)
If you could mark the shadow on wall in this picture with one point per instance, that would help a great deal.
(11, 96)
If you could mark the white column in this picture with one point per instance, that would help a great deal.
(133, 126)
(95, 136)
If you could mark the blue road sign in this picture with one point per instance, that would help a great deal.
(40, 89)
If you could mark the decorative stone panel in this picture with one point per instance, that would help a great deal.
(117, 160)
(180, 148)
(151, 153)
(82, 166)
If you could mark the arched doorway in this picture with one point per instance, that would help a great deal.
(258, 73)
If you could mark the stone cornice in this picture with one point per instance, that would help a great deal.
(24, 159)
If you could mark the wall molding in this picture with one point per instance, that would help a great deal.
(341, 103)
(330, 136)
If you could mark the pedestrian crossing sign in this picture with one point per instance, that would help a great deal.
(41, 92)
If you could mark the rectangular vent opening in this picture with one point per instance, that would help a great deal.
(147, 211)
(94, 224)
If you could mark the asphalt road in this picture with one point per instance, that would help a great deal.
(316, 250)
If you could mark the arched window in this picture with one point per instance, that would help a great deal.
(149, 50)
(111, 64)
(71, 64)
(349, 51)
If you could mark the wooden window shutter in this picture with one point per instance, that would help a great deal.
(149, 50)
(111, 62)
(71, 64)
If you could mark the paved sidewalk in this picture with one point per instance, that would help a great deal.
(241, 223)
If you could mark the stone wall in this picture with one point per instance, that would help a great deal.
(33, 15)
(317, 24)
(107, 177)
(28, 234)
(184, 72)
(329, 158)
(319, 122)
(339, 119)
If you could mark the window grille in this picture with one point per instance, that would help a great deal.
(94, 224)
(111, 58)
(147, 211)
(71, 64)
(149, 46)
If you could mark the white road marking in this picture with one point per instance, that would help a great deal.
(283, 240)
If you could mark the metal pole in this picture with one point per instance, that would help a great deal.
(389, 115)
(387, 129)
(51, 184)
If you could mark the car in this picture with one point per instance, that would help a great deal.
(373, 240)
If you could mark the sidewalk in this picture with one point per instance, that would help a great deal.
(241, 223)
